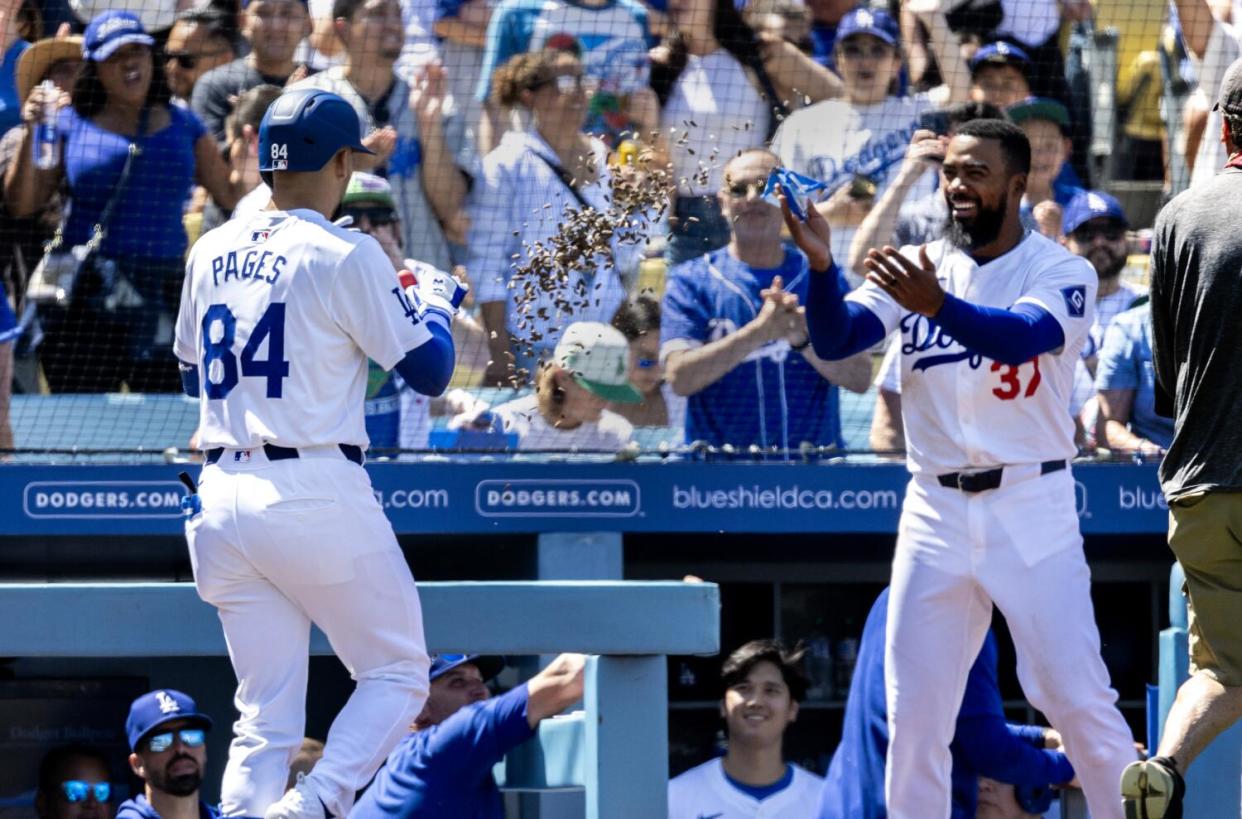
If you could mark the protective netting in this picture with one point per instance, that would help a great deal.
(596, 161)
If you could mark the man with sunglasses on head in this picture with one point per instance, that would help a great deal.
(168, 744)
(74, 783)
(733, 334)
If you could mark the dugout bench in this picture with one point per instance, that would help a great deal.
(615, 749)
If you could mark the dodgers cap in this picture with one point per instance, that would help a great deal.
(1090, 205)
(877, 23)
(489, 665)
(110, 30)
(151, 710)
(1000, 53)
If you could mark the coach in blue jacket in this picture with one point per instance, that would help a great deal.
(444, 768)
(984, 744)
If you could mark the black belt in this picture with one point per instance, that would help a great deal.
(284, 453)
(989, 479)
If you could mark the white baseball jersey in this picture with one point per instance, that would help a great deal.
(963, 411)
(704, 793)
(280, 312)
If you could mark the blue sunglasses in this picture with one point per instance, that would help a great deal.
(190, 738)
(77, 791)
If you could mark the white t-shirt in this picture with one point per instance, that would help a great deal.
(963, 411)
(704, 791)
(715, 93)
(833, 140)
(609, 434)
(1222, 49)
(280, 313)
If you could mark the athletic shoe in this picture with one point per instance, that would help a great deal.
(1152, 789)
(299, 802)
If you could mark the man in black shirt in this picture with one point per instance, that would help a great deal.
(273, 28)
(1196, 299)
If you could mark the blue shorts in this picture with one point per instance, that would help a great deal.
(8, 320)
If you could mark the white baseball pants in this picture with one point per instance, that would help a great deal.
(280, 545)
(1018, 547)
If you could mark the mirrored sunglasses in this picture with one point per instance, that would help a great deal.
(190, 738)
(76, 790)
(377, 217)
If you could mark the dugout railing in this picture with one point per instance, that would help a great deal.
(615, 749)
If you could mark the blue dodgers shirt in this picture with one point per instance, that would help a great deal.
(774, 398)
(140, 808)
(983, 743)
(446, 770)
(146, 222)
(10, 105)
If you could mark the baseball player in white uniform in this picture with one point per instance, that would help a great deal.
(279, 314)
(992, 320)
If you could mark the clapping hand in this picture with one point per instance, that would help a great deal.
(914, 287)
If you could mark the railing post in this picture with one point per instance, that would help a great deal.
(627, 738)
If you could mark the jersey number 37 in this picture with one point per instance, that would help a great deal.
(219, 333)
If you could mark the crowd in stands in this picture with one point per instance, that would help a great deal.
(130, 132)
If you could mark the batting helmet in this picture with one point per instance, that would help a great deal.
(305, 128)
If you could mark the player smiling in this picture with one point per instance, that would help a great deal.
(278, 348)
(990, 514)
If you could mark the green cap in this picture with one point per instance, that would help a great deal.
(367, 187)
(1039, 108)
(598, 357)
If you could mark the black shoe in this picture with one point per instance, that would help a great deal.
(1152, 789)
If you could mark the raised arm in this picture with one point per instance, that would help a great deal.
(838, 329)
(1197, 22)
(27, 188)
(555, 688)
(945, 47)
(797, 75)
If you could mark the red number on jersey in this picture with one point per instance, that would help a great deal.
(1011, 383)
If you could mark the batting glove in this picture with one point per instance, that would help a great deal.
(434, 292)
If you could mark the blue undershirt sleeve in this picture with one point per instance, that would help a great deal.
(189, 378)
(838, 328)
(997, 752)
(429, 366)
(1010, 336)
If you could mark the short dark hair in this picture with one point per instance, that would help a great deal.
(1235, 130)
(963, 112)
(217, 24)
(739, 664)
(251, 106)
(1015, 147)
(55, 759)
(638, 317)
(345, 8)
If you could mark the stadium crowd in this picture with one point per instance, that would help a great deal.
(132, 133)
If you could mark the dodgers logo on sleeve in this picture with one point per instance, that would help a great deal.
(1075, 300)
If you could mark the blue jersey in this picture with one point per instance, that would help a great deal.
(1125, 364)
(446, 770)
(775, 398)
(983, 744)
(382, 408)
(140, 808)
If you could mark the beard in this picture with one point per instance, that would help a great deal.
(1108, 265)
(185, 784)
(983, 229)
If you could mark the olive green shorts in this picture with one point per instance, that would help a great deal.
(1204, 534)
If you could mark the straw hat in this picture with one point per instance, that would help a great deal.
(36, 60)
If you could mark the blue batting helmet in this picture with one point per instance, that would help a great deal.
(303, 129)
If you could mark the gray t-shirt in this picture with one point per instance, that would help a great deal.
(213, 93)
(1196, 302)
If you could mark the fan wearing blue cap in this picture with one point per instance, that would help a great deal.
(854, 145)
(168, 751)
(998, 74)
(444, 768)
(119, 101)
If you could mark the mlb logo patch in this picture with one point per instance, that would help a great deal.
(260, 235)
(1075, 300)
(280, 164)
(241, 456)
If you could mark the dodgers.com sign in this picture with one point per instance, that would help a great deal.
(558, 498)
(96, 500)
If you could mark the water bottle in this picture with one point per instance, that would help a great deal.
(47, 145)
